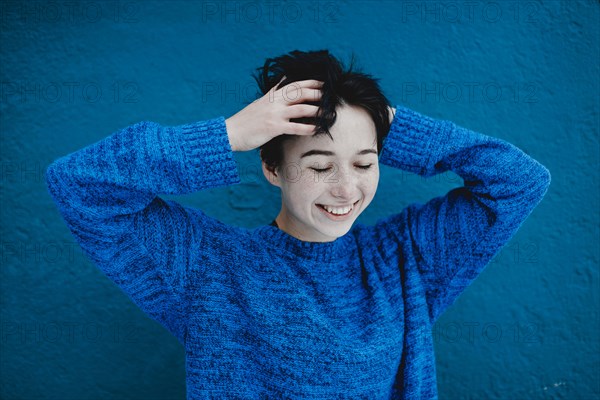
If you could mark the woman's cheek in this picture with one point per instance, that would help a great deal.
(372, 182)
(311, 178)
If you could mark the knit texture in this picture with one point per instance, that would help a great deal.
(262, 314)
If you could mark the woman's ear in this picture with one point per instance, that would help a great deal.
(271, 174)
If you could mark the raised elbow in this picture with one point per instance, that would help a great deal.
(55, 180)
(541, 182)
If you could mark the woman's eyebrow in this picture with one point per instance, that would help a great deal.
(331, 153)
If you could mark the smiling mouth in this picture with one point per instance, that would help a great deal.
(338, 208)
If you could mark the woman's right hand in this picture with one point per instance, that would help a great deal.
(269, 116)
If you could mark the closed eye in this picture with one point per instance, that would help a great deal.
(364, 167)
(320, 170)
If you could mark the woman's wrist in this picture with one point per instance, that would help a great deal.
(230, 128)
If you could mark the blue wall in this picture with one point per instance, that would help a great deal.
(526, 72)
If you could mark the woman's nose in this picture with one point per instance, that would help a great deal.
(343, 185)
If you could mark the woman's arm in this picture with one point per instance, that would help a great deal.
(453, 237)
(107, 194)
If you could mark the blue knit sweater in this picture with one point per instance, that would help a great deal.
(263, 314)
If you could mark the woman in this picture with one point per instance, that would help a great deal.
(310, 306)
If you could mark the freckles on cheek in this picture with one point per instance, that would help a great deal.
(371, 185)
(310, 180)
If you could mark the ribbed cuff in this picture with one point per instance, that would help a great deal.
(208, 154)
(412, 141)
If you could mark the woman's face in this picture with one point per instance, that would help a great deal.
(348, 180)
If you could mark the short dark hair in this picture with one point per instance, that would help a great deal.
(341, 86)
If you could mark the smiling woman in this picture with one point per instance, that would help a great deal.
(338, 178)
(312, 306)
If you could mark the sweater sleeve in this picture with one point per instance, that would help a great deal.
(107, 193)
(453, 237)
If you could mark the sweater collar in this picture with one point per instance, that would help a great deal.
(278, 239)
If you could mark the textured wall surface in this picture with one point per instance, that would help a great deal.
(524, 71)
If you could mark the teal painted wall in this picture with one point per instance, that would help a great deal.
(523, 71)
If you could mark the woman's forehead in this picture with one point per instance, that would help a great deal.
(353, 131)
(341, 143)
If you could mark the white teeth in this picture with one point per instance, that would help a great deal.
(338, 210)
